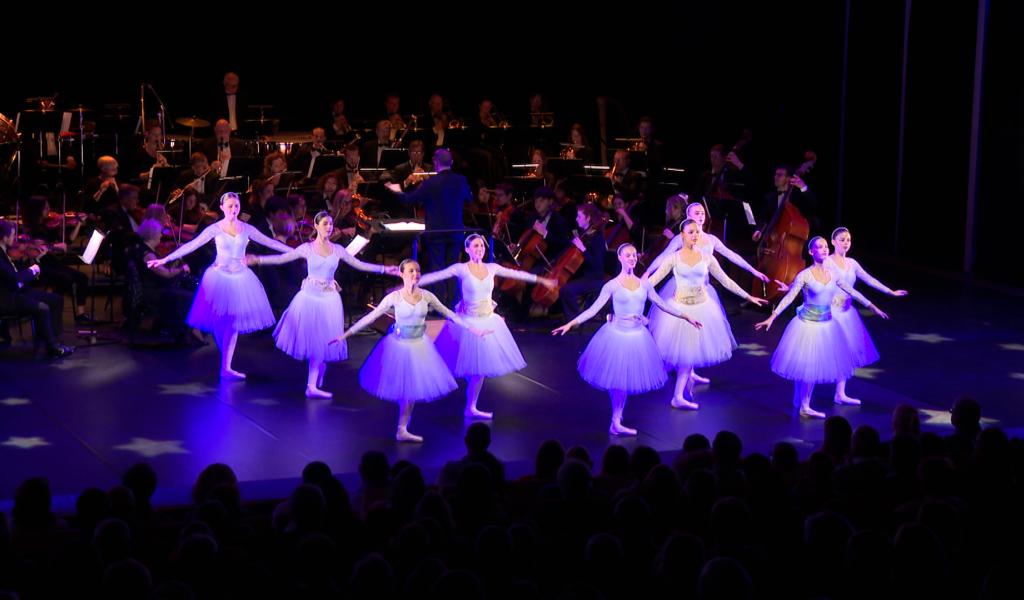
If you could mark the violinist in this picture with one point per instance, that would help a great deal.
(502, 209)
(165, 288)
(799, 195)
(588, 239)
(200, 176)
(16, 298)
(282, 281)
(346, 225)
(41, 224)
(540, 169)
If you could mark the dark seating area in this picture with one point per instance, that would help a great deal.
(916, 515)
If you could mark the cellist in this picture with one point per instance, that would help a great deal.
(801, 197)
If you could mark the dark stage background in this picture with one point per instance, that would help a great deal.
(704, 71)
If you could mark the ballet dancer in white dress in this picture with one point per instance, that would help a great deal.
(622, 357)
(472, 357)
(230, 299)
(316, 313)
(404, 367)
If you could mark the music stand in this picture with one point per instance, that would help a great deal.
(564, 167)
(522, 187)
(162, 181)
(327, 163)
(246, 166)
(392, 157)
(580, 186)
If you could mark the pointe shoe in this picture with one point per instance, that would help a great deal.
(678, 402)
(810, 413)
(620, 429)
(475, 413)
(232, 374)
(846, 400)
(312, 392)
(403, 435)
(695, 378)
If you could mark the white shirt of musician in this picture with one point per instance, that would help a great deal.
(232, 118)
(224, 156)
(313, 154)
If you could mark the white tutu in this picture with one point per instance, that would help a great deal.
(813, 352)
(406, 369)
(622, 355)
(314, 318)
(863, 349)
(668, 292)
(230, 298)
(469, 355)
(682, 344)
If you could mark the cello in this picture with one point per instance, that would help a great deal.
(561, 271)
(780, 250)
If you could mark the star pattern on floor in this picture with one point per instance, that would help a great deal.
(198, 390)
(1017, 376)
(1017, 347)
(930, 416)
(150, 448)
(754, 349)
(15, 401)
(264, 401)
(25, 443)
(928, 338)
(867, 373)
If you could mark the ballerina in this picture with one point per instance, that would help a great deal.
(469, 356)
(230, 299)
(813, 348)
(316, 312)
(622, 357)
(849, 271)
(682, 347)
(404, 366)
(710, 244)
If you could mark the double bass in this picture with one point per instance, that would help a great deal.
(780, 250)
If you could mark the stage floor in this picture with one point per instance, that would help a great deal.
(82, 421)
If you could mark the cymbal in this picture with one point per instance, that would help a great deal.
(192, 122)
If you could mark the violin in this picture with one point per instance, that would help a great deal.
(26, 248)
(70, 219)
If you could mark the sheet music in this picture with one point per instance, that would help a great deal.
(356, 245)
(92, 247)
(749, 213)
